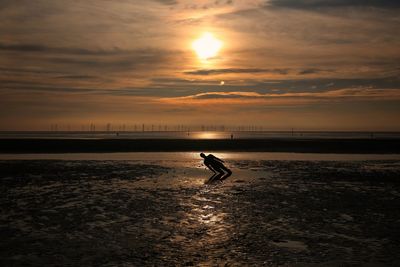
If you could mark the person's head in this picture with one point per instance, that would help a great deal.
(202, 155)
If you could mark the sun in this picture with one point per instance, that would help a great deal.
(207, 46)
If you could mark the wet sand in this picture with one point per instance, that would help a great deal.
(300, 145)
(160, 213)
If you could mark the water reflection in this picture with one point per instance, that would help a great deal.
(209, 135)
(171, 157)
(205, 223)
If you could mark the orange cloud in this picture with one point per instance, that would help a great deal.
(293, 98)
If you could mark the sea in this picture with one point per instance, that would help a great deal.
(198, 134)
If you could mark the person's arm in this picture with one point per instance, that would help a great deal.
(218, 159)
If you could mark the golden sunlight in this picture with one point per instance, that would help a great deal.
(207, 46)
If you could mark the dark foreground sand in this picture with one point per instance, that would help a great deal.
(299, 145)
(120, 213)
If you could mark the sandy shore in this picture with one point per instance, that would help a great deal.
(306, 145)
(136, 213)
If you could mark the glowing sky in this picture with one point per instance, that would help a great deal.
(307, 64)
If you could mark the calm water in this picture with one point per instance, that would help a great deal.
(201, 135)
(190, 156)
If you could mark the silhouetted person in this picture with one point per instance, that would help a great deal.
(216, 165)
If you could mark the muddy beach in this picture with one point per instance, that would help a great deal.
(160, 213)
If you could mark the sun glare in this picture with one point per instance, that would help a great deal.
(207, 46)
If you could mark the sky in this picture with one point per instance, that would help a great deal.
(303, 64)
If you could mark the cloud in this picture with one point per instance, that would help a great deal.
(321, 84)
(224, 95)
(167, 2)
(207, 4)
(124, 50)
(29, 59)
(26, 71)
(205, 72)
(246, 97)
(38, 48)
(312, 4)
(77, 77)
(310, 71)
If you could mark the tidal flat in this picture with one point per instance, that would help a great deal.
(161, 213)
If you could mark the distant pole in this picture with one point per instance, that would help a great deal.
(292, 132)
(143, 127)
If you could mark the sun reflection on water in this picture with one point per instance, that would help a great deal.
(208, 135)
(207, 214)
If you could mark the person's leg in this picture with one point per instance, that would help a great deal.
(214, 177)
(228, 173)
(220, 172)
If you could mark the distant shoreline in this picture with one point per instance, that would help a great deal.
(343, 146)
